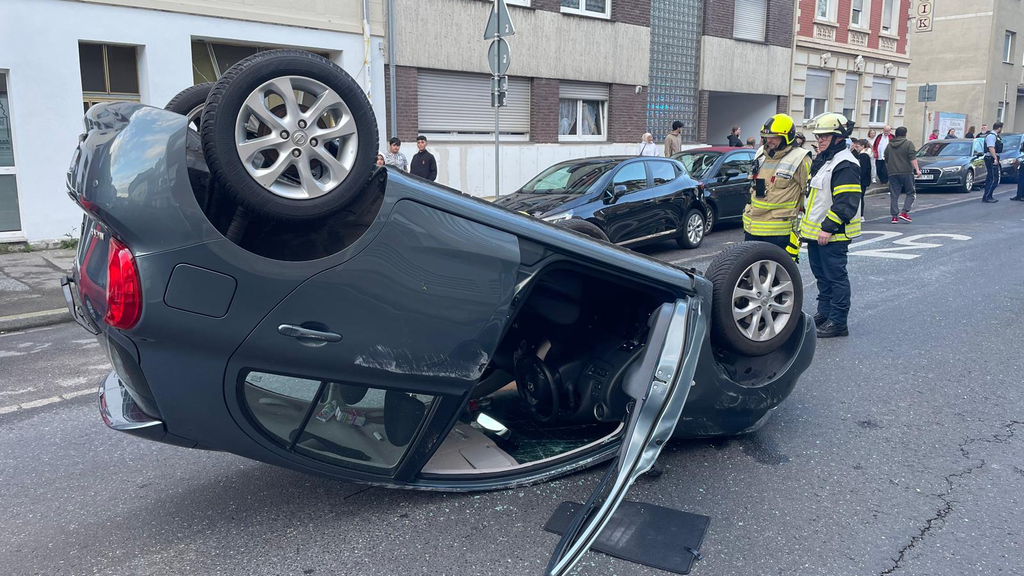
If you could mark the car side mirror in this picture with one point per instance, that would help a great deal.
(617, 192)
(732, 173)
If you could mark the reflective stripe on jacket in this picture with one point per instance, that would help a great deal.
(825, 194)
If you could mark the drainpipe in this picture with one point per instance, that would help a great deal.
(391, 67)
(366, 50)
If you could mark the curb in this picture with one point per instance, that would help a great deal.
(34, 320)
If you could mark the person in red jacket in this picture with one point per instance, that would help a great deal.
(878, 151)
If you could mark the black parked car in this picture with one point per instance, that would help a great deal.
(625, 200)
(1011, 158)
(724, 173)
(949, 163)
(269, 293)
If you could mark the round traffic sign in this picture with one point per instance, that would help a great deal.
(499, 56)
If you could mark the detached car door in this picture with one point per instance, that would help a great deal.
(659, 384)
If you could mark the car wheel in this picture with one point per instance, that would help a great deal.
(968, 181)
(584, 227)
(189, 103)
(289, 135)
(709, 220)
(757, 298)
(693, 229)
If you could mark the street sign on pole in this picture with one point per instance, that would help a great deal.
(927, 93)
(499, 56)
(499, 24)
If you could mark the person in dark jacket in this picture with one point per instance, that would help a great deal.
(951, 135)
(901, 160)
(970, 132)
(423, 163)
(734, 138)
(860, 150)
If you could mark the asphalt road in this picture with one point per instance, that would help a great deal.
(900, 452)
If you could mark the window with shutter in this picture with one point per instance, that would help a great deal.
(816, 93)
(582, 111)
(880, 91)
(850, 96)
(459, 104)
(749, 20)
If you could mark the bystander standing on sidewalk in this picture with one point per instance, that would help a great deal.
(902, 166)
(934, 135)
(993, 147)
(874, 169)
(970, 133)
(392, 156)
(674, 140)
(734, 138)
(647, 147)
(860, 150)
(423, 163)
(878, 146)
(951, 135)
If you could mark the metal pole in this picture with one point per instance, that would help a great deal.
(391, 67)
(924, 121)
(497, 109)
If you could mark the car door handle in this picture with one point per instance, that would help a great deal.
(307, 334)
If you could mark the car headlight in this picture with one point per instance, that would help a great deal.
(559, 217)
(952, 169)
(1008, 162)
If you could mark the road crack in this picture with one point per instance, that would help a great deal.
(938, 520)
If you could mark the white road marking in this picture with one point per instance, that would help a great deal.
(908, 243)
(45, 401)
(18, 391)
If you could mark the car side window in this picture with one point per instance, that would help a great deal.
(661, 172)
(632, 176)
(742, 162)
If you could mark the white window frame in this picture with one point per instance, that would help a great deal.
(1009, 39)
(832, 8)
(855, 78)
(1001, 112)
(811, 111)
(582, 10)
(602, 137)
(889, 9)
(865, 16)
(873, 118)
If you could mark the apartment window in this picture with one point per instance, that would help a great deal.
(887, 16)
(823, 9)
(110, 73)
(597, 8)
(1001, 112)
(210, 60)
(582, 111)
(858, 17)
(1008, 41)
(749, 21)
(850, 96)
(816, 94)
(457, 106)
(880, 90)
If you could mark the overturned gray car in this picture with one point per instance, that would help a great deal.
(263, 289)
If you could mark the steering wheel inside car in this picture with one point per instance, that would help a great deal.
(538, 388)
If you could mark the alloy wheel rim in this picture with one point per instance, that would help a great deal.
(694, 228)
(193, 117)
(709, 220)
(296, 137)
(969, 181)
(762, 300)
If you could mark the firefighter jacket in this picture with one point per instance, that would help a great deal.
(834, 202)
(785, 175)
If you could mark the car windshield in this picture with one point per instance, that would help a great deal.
(568, 178)
(698, 163)
(945, 149)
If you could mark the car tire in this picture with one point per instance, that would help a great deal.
(968, 182)
(327, 130)
(739, 303)
(693, 229)
(709, 220)
(189, 103)
(584, 227)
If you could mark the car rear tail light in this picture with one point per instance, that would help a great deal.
(124, 289)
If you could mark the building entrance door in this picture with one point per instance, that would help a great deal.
(10, 216)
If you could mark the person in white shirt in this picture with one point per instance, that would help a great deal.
(647, 147)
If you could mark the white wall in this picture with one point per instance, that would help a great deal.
(39, 49)
(749, 112)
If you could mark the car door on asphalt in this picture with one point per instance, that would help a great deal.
(732, 183)
(633, 213)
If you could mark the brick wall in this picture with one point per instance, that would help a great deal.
(901, 46)
(547, 5)
(843, 32)
(407, 102)
(703, 99)
(627, 114)
(544, 110)
(718, 18)
(779, 29)
(636, 12)
(806, 18)
(782, 105)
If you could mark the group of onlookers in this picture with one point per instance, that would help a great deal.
(423, 163)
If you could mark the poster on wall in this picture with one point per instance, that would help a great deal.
(946, 120)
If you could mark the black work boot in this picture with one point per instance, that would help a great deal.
(819, 320)
(830, 330)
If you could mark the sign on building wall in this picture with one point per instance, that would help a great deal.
(923, 15)
(946, 120)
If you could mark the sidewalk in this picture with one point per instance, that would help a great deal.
(30, 292)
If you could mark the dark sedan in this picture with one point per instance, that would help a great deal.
(1011, 158)
(622, 199)
(949, 164)
(724, 172)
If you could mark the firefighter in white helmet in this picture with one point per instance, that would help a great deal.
(832, 217)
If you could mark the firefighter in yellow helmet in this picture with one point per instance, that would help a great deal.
(779, 182)
(832, 217)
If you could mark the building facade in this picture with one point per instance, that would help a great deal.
(746, 51)
(577, 85)
(973, 57)
(852, 57)
(58, 57)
